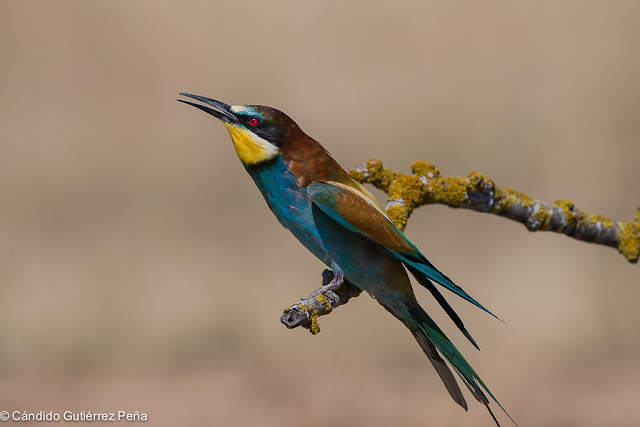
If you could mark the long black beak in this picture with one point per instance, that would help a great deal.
(223, 111)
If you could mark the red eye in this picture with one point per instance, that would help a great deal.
(253, 121)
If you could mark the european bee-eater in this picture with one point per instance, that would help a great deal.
(342, 224)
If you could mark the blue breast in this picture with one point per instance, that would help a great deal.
(289, 203)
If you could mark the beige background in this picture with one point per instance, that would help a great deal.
(141, 270)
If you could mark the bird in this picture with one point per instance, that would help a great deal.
(340, 222)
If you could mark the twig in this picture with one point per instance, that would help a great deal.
(479, 193)
(306, 311)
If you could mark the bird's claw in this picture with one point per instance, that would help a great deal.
(338, 280)
(334, 284)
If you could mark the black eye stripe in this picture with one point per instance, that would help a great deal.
(264, 129)
(270, 133)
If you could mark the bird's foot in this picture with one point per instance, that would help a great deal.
(335, 283)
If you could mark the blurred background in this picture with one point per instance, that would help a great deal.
(141, 270)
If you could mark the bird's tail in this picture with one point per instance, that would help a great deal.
(431, 338)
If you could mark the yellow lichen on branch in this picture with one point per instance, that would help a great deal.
(479, 193)
(322, 301)
(627, 236)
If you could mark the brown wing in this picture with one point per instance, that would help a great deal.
(356, 211)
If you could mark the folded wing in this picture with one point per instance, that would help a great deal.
(356, 211)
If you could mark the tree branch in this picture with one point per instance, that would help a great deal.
(476, 192)
(479, 193)
(305, 312)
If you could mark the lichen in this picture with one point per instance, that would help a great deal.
(357, 174)
(398, 216)
(314, 328)
(507, 197)
(542, 216)
(522, 199)
(325, 302)
(424, 168)
(586, 219)
(448, 190)
(568, 211)
(407, 188)
(478, 180)
(628, 238)
(302, 307)
(481, 192)
(378, 175)
(606, 222)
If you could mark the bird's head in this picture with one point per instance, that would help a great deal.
(258, 132)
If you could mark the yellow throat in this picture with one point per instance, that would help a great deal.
(250, 147)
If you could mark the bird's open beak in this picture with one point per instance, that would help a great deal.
(223, 111)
